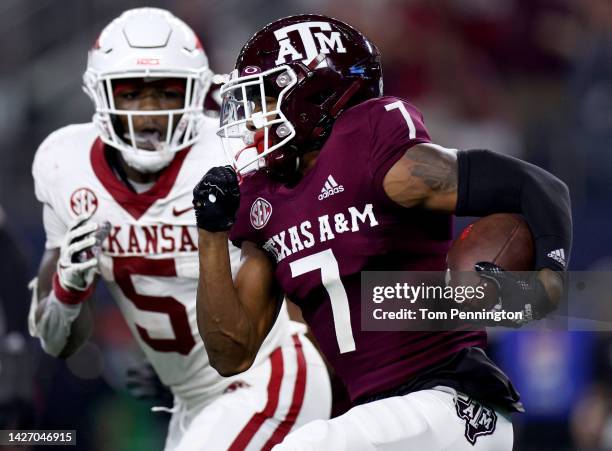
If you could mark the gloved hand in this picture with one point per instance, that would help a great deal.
(78, 262)
(216, 199)
(516, 294)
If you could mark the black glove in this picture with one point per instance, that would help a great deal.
(216, 199)
(143, 383)
(515, 294)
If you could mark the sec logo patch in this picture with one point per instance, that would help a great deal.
(261, 210)
(83, 202)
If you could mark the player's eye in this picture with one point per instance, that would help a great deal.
(129, 94)
(172, 94)
(245, 109)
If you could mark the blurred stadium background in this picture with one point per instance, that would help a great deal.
(530, 78)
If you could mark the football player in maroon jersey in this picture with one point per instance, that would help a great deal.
(338, 179)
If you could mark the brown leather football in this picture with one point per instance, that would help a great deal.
(501, 238)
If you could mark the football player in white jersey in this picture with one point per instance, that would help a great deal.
(116, 195)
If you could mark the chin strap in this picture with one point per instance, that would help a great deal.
(312, 65)
(336, 109)
(344, 98)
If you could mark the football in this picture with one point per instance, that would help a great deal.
(504, 239)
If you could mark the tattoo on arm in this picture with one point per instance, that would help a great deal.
(425, 176)
(434, 169)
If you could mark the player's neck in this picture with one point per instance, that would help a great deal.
(307, 161)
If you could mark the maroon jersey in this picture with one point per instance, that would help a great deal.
(338, 221)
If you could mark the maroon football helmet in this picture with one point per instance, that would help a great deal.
(292, 80)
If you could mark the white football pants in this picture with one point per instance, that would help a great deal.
(424, 420)
(286, 391)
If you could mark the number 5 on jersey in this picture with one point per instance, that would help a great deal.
(126, 267)
(326, 262)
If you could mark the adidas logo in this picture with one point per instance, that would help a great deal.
(558, 256)
(330, 188)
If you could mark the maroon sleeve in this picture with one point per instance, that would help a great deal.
(242, 230)
(239, 231)
(395, 126)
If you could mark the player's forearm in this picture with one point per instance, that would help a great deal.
(223, 321)
(61, 328)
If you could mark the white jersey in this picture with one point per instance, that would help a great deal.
(149, 260)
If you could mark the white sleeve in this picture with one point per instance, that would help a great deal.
(55, 229)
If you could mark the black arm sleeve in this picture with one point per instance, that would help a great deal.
(492, 183)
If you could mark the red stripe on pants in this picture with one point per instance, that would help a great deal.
(298, 398)
(254, 424)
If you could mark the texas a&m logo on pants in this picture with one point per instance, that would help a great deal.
(261, 210)
(479, 419)
(83, 202)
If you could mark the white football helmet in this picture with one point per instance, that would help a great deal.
(147, 43)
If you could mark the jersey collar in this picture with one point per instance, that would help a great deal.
(135, 204)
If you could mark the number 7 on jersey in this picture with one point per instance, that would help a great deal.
(330, 277)
(400, 106)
